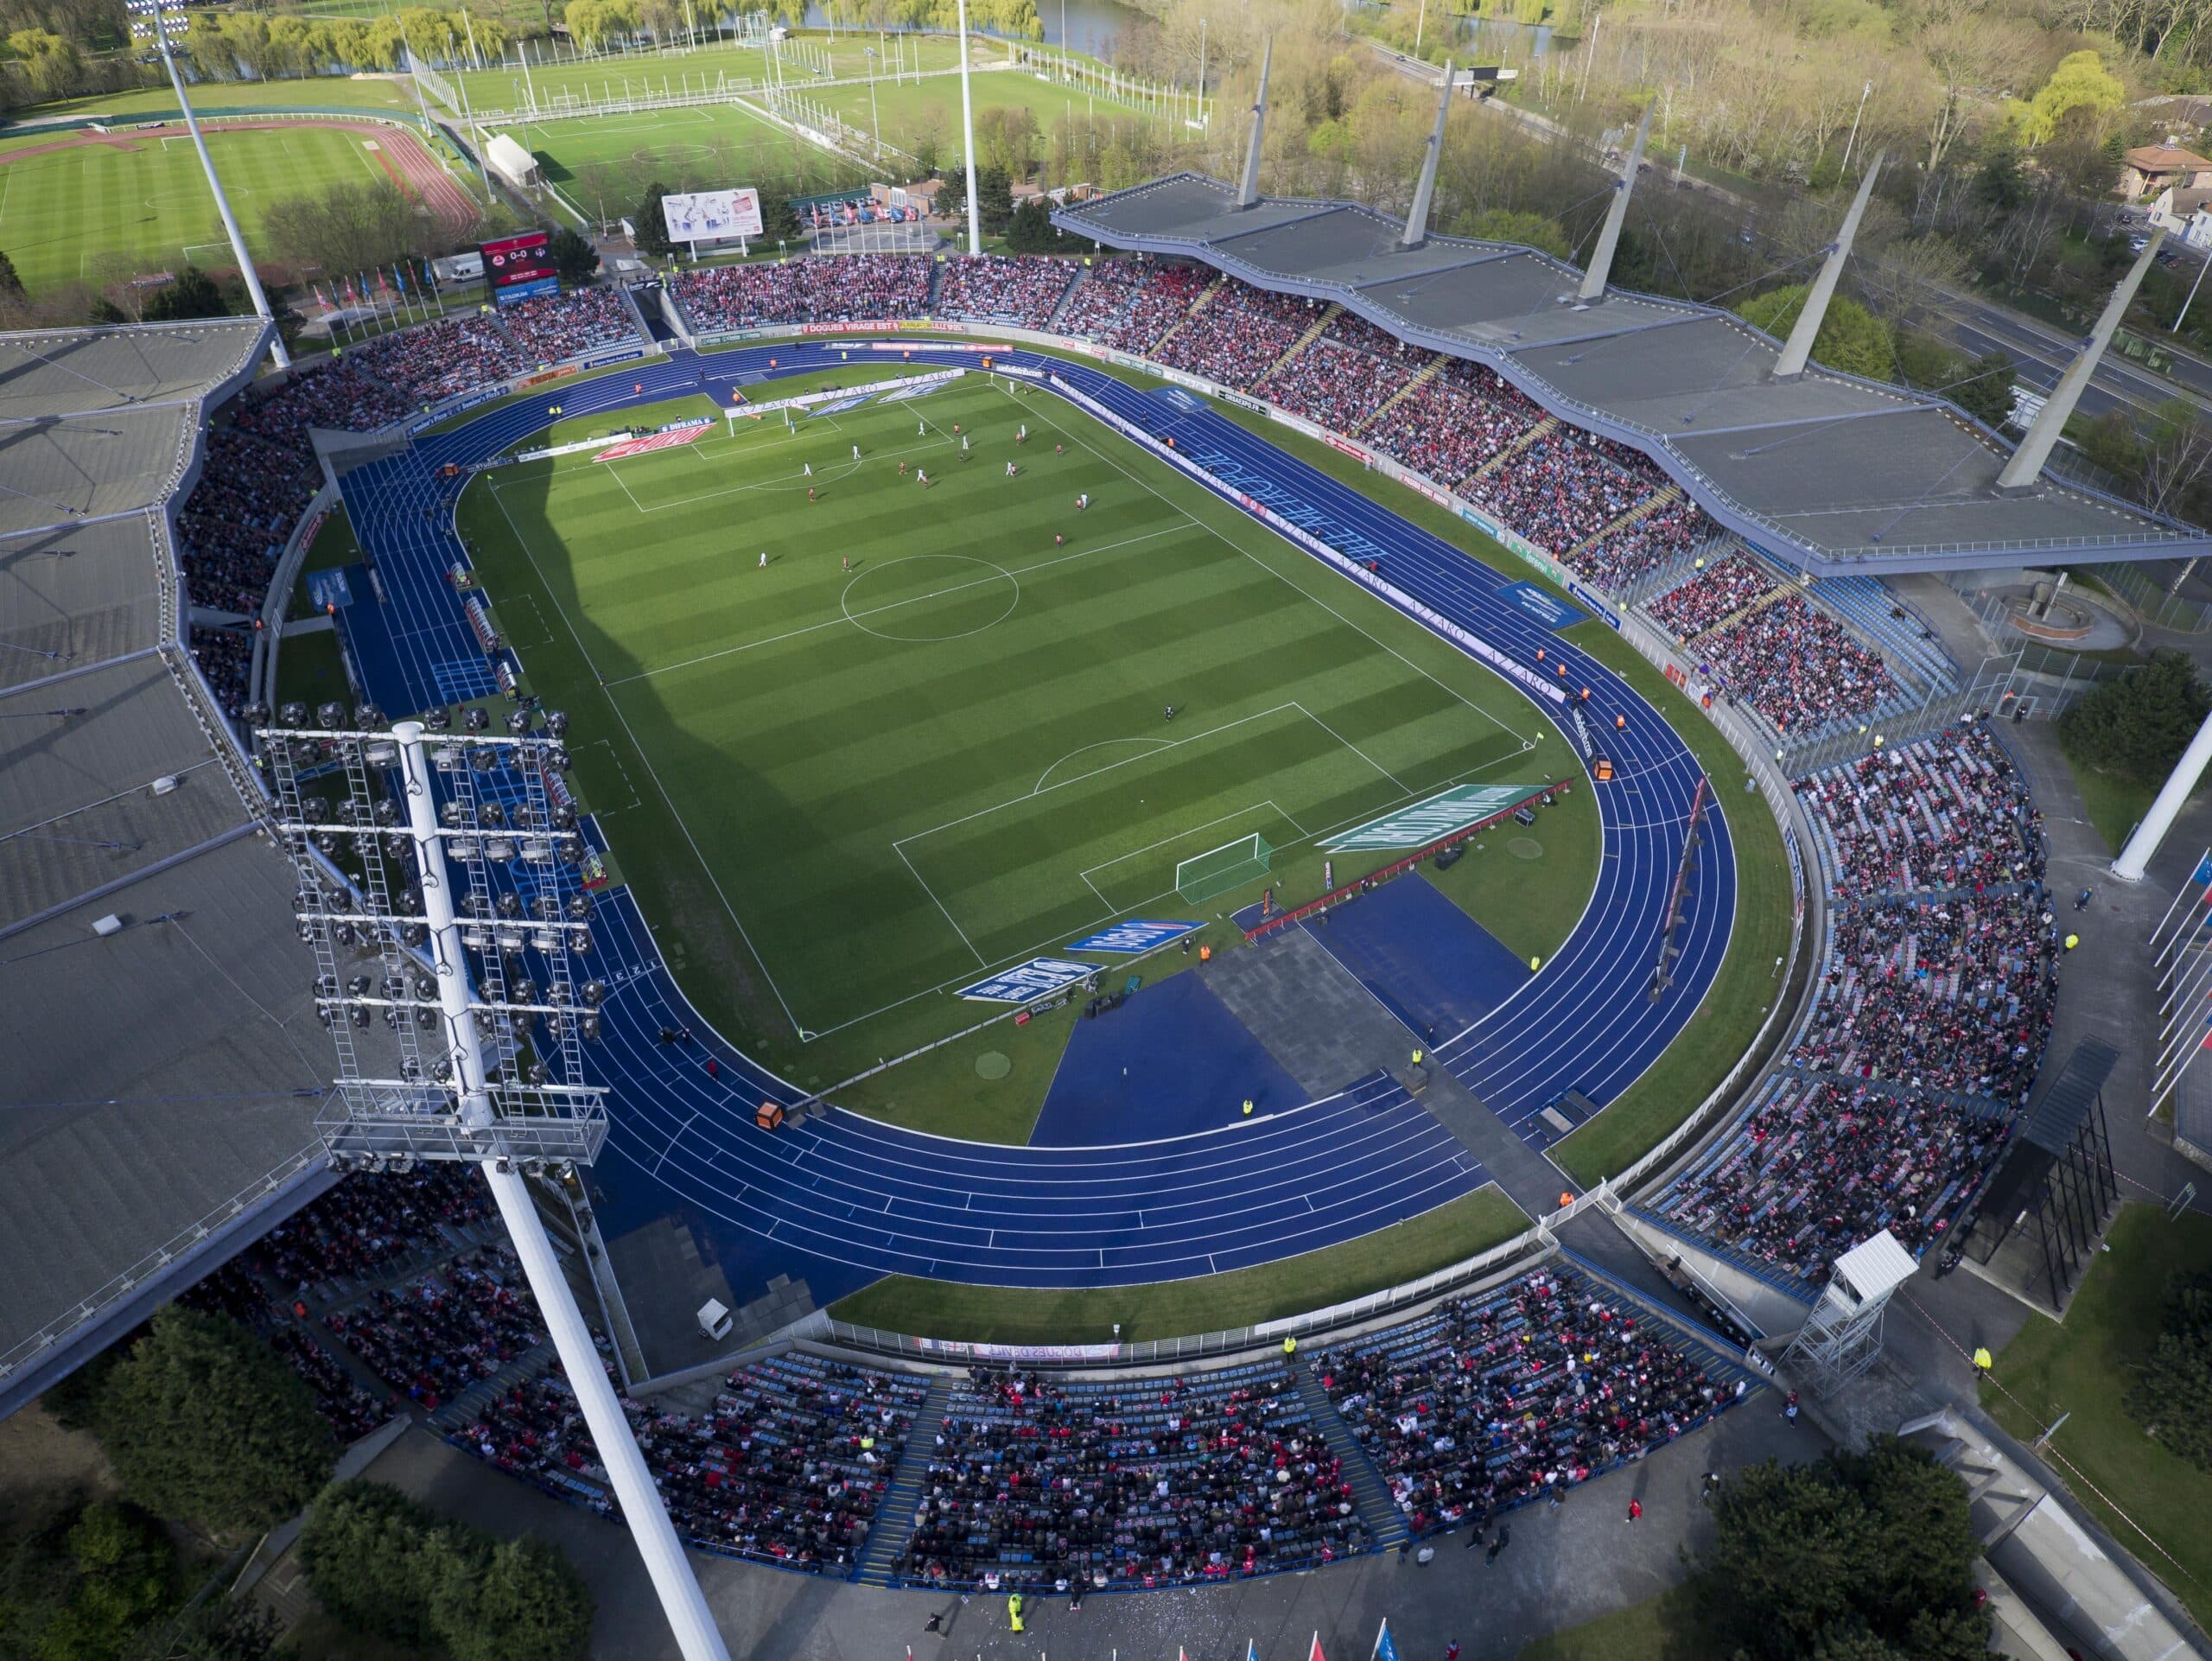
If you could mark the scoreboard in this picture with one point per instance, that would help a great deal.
(519, 266)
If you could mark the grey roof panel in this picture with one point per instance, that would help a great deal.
(87, 594)
(166, 1055)
(1345, 244)
(1192, 208)
(69, 371)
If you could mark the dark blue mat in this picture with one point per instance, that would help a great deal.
(1171, 1060)
(367, 633)
(1427, 962)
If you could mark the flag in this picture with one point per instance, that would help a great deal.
(1251, 1649)
(399, 275)
(1386, 1647)
(352, 299)
(319, 300)
(383, 287)
(2204, 874)
(1314, 1654)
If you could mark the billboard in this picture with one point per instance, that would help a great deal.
(519, 266)
(711, 215)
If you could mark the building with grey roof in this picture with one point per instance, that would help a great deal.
(1827, 471)
(164, 1059)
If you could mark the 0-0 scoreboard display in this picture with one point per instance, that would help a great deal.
(519, 266)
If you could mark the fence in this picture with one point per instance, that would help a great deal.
(2150, 602)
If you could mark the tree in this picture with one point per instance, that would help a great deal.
(1852, 339)
(649, 223)
(2172, 1396)
(1031, 231)
(193, 294)
(349, 227)
(1985, 392)
(1512, 225)
(11, 286)
(778, 219)
(83, 1588)
(2081, 82)
(381, 1561)
(1857, 1557)
(2137, 725)
(574, 257)
(207, 1423)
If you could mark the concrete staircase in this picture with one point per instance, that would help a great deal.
(1435, 368)
(1664, 496)
(894, 1516)
(1206, 298)
(1320, 327)
(1385, 1522)
(1548, 424)
(534, 1362)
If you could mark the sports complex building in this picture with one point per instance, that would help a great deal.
(1799, 817)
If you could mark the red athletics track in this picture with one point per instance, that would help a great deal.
(399, 149)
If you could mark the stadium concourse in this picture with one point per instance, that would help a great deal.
(392, 1294)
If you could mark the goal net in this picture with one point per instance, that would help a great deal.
(1219, 869)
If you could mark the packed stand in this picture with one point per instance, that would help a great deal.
(1820, 1168)
(1101, 294)
(1039, 1483)
(1947, 994)
(1162, 300)
(1710, 598)
(1021, 290)
(442, 359)
(1236, 336)
(1662, 537)
(1336, 386)
(1948, 812)
(1449, 428)
(366, 1225)
(225, 660)
(844, 288)
(1565, 486)
(434, 1337)
(1799, 667)
(1491, 1400)
(342, 397)
(788, 1466)
(232, 528)
(551, 327)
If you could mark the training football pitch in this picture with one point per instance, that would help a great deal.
(930, 737)
(87, 210)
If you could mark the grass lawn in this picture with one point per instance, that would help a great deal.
(311, 668)
(1658, 1627)
(2082, 1366)
(911, 108)
(608, 160)
(1742, 994)
(2115, 805)
(96, 211)
(990, 1314)
(960, 761)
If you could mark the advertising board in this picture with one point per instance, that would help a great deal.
(695, 216)
(519, 266)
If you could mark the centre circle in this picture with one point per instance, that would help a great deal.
(930, 597)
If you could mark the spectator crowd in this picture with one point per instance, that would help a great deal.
(444, 360)
(1948, 812)
(847, 287)
(1040, 1483)
(1799, 668)
(1022, 290)
(1712, 597)
(551, 327)
(1498, 1398)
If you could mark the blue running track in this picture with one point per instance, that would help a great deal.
(856, 1198)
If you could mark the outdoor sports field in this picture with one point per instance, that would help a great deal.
(73, 207)
(605, 162)
(954, 755)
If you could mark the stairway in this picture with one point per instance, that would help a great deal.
(1320, 326)
(1734, 618)
(1435, 368)
(894, 1516)
(534, 1362)
(1663, 497)
(1548, 425)
(1385, 1522)
(1205, 296)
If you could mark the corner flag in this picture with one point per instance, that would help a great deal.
(1314, 1654)
(1386, 1647)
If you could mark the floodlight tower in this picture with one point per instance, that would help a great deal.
(443, 888)
(968, 138)
(149, 23)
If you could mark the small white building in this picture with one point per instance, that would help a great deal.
(2186, 214)
(516, 167)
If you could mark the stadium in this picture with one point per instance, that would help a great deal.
(1176, 922)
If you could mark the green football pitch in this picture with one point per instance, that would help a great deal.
(615, 157)
(930, 737)
(88, 211)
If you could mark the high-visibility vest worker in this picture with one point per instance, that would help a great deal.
(1248, 1107)
(1417, 1056)
(1290, 1344)
(1983, 1361)
(2073, 940)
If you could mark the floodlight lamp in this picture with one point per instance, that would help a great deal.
(368, 717)
(588, 1026)
(332, 714)
(361, 1017)
(594, 993)
(549, 907)
(414, 935)
(579, 941)
(492, 812)
(383, 753)
(526, 991)
(358, 987)
(509, 905)
(580, 905)
(518, 722)
(439, 720)
(476, 720)
(535, 1074)
(426, 1018)
(483, 761)
(387, 810)
(558, 755)
(556, 722)
(293, 714)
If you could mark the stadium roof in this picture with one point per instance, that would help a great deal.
(162, 1075)
(1831, 472)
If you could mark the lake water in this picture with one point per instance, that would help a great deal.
(1087, 26)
